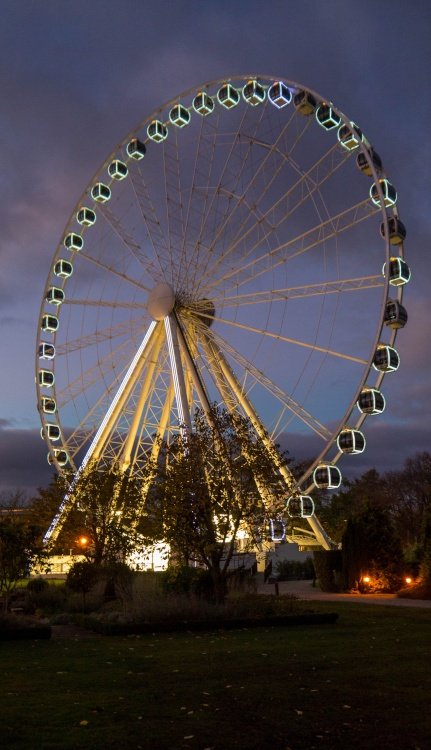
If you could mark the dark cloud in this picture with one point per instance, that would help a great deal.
(76, 77)
(23, 463)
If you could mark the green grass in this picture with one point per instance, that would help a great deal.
(363, 683)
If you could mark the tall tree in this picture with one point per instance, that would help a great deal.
(214, 484)
(20, 548)
(108, 501)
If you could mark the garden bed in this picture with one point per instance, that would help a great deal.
(141, 628)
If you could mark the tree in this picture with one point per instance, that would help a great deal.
(213, 484)
(410, 498)
(81, 577)
(109, 503)
(43, 507)
(371, 546)
(19, 549)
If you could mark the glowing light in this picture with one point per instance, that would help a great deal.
(83, 541)
(366, 579)
(408, 580)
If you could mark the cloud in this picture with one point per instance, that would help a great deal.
(23, 463)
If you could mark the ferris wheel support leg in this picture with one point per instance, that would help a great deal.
(194, 374)
(249, 410)
(122, 394)
(152, 362)
(102, 433)
(171, 328)
(155, 448)
(230, 402)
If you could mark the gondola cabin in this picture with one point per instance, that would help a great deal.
(364, 163)
(136, 149)
(46, 378)
(228, 96)
(350, 136)
(73, 241)
(351, 441)
(60, 456)
(118, 170)
(54, 295)
(49, 323)
(326, 477)
(371, 401)
(179, 116)
(100, 192)
(304, 102)
(276, 530)
(63, 269)
(253, 93)
(399, 271)
(279, 94)
(50, 431)
(301, 506)
(395, 314)
(388, 191)
(157, 131)
(203, 104)
(386, 358)
(327, 117)
(46, 350)
(86, 217)
(48, 405)
(397, 230)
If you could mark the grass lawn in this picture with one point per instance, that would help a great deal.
(363, 683)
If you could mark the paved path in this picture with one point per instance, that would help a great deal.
(305, 590)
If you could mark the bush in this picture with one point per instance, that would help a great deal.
(82, 577)
(37, 585)
(179, 580)
(328, 566)
(48, 600)
(295, 570)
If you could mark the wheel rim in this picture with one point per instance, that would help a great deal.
(261, 226)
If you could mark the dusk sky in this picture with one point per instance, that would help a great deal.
(77, 76)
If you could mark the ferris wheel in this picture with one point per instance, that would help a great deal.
(241, 246)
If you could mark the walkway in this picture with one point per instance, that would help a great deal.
(305, 590)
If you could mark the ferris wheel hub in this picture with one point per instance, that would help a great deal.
(161, 301)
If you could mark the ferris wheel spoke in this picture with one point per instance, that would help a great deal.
(132, 326)
(359, 283)
(175, 223)
(101, 369)
(284, 206)
(153, 225)
(226, 175)
(263, 218)
(198, 199)
(287, 339)
(111, 304)
(109, 269)
(282, 397)
(128, 241)
(296, 246)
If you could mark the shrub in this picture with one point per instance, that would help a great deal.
(328, 565)
(37, 585)
(82, 577)
(48, 600)
(295, 570)
(179, 580)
